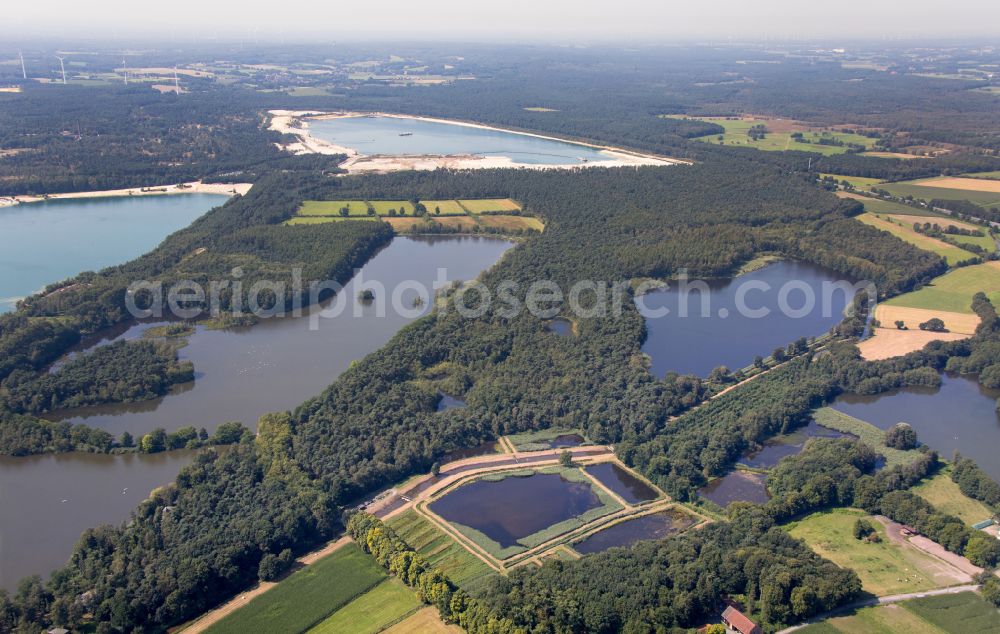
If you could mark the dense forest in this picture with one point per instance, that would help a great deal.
(377, 423)
(284, 488)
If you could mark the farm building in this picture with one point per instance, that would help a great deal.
(736, 621)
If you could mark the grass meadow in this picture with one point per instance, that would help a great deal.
(387, 603)
(953, 291)
(307, 596)
(950, 253)
(946, 497)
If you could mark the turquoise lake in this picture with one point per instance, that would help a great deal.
(392, 136)
(49, 241)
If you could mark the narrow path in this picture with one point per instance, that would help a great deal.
(867, 603)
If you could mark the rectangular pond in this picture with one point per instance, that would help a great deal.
(624, 534)
(51, 240)
(960, 416)
(510, 509)
(395, 136)
(624, 484)
(739, 318)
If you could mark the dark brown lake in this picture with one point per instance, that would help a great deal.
(736, 486)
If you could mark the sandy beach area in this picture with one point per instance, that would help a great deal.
(296, 123)
(196, 187)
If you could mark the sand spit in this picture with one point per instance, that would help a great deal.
(296, 123)
(196, 187)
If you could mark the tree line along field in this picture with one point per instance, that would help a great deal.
(950, 253)
(959, 613)
(383, 208)
(778, 135)
(953, 291)
(448, 216)
(307, 596)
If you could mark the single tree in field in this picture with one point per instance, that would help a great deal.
(566, 459)
(933, 325)
(436, 469)
(900, 325)
(901, 436)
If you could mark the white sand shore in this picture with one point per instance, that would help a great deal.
(196, 187)
(296, 123)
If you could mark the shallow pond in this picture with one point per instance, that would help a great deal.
(960, 416)
(515, 507)
(394, 136)
(780, 447)
(627, 486)
(652, 526)
(449, 402)
(562, 327)
(736, 486)
(49, 241)
(242, 373)
(49, 500)
(716, 332)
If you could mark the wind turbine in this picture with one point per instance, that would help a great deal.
(24, 73)
(63, 67)
(125, 71)
(177, 83)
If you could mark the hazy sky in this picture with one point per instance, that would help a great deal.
(470, 20)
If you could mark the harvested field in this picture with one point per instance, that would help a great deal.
(956, 323)
(958, 182)
(512, 223)
(407, 224)
(464, 223)
(425, 621)
(332, 207)
(891, 342)
(447, 207)
(488, 205)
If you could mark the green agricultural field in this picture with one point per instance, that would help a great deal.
(993, 176)
(442, 552)
(882, 207)
(489, 205)
(447, 207)
(387, 603)
(953, 291)
(307, 596)
(959, 613)
(985, 200)
(332, 208)
(859, 182)
(382, 207)
(885, 568)
(946, 497)
(882, 619)
(867, 433)
(736, 135)
(950, 253)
